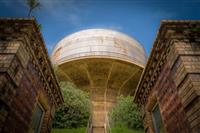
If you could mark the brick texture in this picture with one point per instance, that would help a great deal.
(172, 78)
(23, 79)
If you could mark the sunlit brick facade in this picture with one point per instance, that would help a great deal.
(171, 80)
(27, 79)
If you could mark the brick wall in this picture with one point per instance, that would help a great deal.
(166, 95)
(172, 78)
(24, 81)
(177, 89)
(186, 73)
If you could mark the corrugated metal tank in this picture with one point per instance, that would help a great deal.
(103, 62)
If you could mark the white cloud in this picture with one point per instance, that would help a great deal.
(66, 11)
(74, 19)
(115, 27)
(63, 10)
(106, 26)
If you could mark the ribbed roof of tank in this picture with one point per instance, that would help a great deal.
(99, 43)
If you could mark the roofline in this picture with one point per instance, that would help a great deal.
(39, 34)
(163, 24)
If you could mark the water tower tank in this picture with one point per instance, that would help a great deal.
(103, 62)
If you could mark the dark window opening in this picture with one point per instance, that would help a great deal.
(157, 120)
(37, 118)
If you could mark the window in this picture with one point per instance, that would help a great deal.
(157, 120)
(37, 118)
(3, 114)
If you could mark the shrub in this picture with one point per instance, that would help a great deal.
(126, 113)
(74, 112)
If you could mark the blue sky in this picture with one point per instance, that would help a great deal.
(137, 18)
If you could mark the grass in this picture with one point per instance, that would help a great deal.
(77, 130)
(82, 130)
(125, 130)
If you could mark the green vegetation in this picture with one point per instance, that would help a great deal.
(33, 4)
(125, 115)
(74, 113)
(121, 129)
(77, 130)
(82, 130)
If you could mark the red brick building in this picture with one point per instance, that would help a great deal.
(29, 90)
(169, 90)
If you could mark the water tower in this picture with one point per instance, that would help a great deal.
(103, 62)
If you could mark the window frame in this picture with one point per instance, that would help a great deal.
(155, 126)
(41, 118)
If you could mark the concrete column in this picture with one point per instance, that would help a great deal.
(100, 106)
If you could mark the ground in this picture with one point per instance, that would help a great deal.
(82, 130)
(78, 130)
